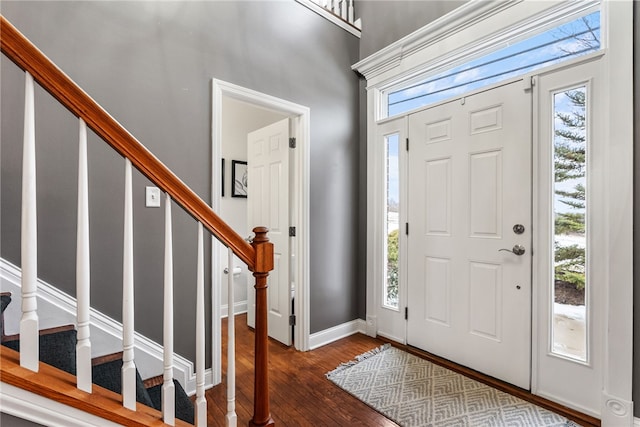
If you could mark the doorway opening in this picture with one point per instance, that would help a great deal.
(234, 105)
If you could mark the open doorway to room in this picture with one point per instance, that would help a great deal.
(240, 115)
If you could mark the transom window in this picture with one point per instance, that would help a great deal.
(572, 39)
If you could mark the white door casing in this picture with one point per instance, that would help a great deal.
(470, 184)
(300, 117)
(268, 205)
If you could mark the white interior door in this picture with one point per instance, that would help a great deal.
(469, 294)
(268, 205)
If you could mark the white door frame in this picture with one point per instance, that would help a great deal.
(299, 198)
(463, 33)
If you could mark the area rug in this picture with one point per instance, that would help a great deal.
(415, 392)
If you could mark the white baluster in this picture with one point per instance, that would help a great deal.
(128, 366)
(168, 389)
(83, 346)
(232, 418)
(343, 9)
(335, 7)
(201, 402)
(351, 13)
(29, 341)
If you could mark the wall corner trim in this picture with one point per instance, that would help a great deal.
(335, 333)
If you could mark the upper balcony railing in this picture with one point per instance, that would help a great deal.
(340, 12)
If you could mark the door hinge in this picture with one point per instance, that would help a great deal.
(292, 320)
(406, 228)
(292, 231)
(292, 143)
(406, 313)
(407, 140)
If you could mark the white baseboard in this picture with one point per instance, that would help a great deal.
(636, 422)
(239, 307)
(56, 308)
(337, 332)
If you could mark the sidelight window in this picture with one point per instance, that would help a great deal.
(392, 223)
(570, 218)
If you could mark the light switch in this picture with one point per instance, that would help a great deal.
(152, 197)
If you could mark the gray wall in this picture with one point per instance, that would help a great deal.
(386, 21)
(636, 203)
(150, 65)
(7, 420)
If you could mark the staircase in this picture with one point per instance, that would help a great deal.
(57, 364)
(57, 348)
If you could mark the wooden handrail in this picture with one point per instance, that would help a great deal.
(258, 256)
(28, 57)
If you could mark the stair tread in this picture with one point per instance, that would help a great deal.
(42, 332)
(99, 360)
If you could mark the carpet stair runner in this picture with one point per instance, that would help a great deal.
(58, 347)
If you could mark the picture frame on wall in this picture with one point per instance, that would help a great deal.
(222, 180)
(239, 172)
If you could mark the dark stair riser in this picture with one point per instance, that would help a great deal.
(58, 349)
(184, 405)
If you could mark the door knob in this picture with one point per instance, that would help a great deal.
(517, 250)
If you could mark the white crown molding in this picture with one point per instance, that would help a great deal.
(57, 308)
(419, 52)
(458, 19)
(337, 332)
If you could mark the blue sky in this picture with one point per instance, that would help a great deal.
(535, 52)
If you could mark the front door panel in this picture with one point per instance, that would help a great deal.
(469, 184)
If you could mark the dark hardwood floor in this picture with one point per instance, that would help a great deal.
(299, 392)
(301, 395)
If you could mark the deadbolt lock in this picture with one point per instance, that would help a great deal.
(518, 228)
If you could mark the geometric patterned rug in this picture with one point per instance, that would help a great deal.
(414, 392)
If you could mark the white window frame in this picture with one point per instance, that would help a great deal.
(467, 32)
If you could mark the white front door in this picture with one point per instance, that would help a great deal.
(268, 205)
(469, 241)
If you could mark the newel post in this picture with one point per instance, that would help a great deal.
(263, 265)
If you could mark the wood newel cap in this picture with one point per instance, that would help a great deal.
(264, 250)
